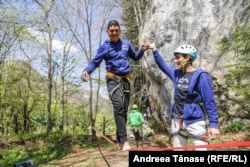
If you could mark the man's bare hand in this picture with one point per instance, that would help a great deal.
(85, 76)
(144, 47)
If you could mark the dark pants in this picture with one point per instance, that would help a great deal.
(119, 93)
(137, 131)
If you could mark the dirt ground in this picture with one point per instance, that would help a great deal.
(94, 158)
(117, 158)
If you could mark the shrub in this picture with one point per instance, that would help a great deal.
(235, 126)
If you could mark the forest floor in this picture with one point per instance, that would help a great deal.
(117, 158)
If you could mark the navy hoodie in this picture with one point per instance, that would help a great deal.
(116, 56)
(200, 91)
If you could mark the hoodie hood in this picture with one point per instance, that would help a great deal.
(134, 110)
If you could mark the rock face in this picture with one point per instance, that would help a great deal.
(200, 23)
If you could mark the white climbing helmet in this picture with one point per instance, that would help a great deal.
(186, 49)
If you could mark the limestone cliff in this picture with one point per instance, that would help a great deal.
(200, 23)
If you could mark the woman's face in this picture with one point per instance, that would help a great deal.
(180, 61)
(114, 33)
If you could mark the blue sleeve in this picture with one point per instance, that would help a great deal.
(169, 71)
(96, 61)
(208, 99)
(135, 55)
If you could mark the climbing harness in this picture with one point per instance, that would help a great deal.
(185, 134)
(113, 75)
(120, 84)
(137, 129)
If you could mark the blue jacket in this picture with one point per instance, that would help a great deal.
(116, 56)
(200, 91)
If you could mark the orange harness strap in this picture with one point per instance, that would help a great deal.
(111, 74)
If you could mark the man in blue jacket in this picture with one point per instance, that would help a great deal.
(116, 53)
(193, 99)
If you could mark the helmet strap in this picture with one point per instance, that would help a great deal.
(183, 66)
(184, 63)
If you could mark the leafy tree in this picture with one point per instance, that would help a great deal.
(28, 31)
(133, 19)
(47, 29)
(88, 32)
(238, 76)
(22, 95)
(10, 30)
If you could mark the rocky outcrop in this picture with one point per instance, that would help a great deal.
(200, 23)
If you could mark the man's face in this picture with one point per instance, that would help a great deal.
(114, 33)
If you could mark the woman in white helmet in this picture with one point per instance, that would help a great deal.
(193, 96)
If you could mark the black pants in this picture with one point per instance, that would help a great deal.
(119, 93)
(137, 131)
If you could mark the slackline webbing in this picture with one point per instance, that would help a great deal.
(216, 145)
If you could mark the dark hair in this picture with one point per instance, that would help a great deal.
(190, 58)
(113, 23)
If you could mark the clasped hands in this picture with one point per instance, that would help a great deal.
(144, 47)
(148, 45)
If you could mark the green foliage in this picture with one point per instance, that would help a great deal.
(138, 79)
(133, 19)
(76, 121)
(45, 149)
(133, 13)
(109, 122)
(155, 125)
(239, 42)
(23, 95)
(238, 76)
(40, 149)
(234, 127)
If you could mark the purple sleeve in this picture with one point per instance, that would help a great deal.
(208, 99)
(96, 61)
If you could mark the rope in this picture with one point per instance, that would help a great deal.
(217, 145)
(102, 154)
(106, 138)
